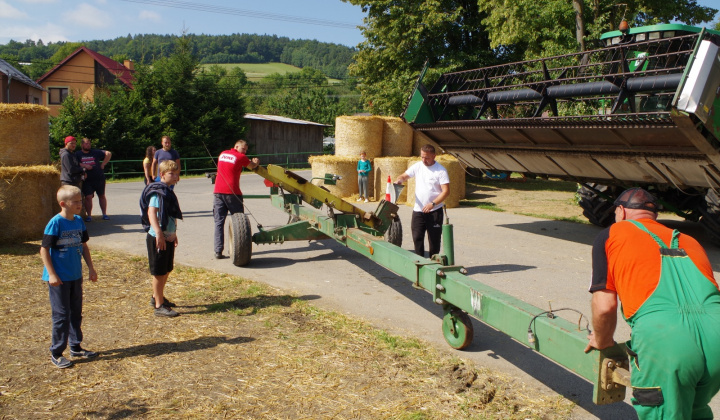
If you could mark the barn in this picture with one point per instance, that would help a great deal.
(281, 140)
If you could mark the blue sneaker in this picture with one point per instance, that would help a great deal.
(88, 219)
(83, 353)
(60, 362)
(105, 217)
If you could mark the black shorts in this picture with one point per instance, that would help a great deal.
(91, 186)
(160, 263)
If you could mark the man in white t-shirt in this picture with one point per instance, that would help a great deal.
(432, 187)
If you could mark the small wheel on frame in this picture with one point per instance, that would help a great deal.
(457, 328)
(240, 239)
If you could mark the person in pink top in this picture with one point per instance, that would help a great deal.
(227, 196)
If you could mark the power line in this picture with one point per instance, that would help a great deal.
(246, 13)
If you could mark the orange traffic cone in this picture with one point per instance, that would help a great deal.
(387, 190)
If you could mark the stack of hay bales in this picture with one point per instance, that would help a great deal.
(392, 167)
(28, 183)
(344, 166)
(390, 144)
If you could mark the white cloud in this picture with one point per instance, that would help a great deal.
(88, 16)
(48, 33)
(149, 15)
(9, 12)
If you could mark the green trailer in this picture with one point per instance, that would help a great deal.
(315, 214)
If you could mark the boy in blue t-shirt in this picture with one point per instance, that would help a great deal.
(64, 242)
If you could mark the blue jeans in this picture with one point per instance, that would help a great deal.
(66, 304)
(222, 205)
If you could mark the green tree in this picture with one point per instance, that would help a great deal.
(549, 27)
(401, 36)
(305, 95)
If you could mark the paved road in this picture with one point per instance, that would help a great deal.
(539, 261)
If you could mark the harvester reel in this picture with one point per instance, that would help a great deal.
(394, 233)
(240, 239)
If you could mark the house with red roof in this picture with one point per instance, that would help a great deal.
(83, 73)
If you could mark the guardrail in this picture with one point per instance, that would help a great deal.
(134, 167)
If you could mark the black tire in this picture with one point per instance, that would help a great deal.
(710, 219)
(240, 239)
(394, 233)
(598, 210)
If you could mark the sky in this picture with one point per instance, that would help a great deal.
(69, 20)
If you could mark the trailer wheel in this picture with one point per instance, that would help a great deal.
(457, 329)
(710, 219)
(596, 209)
(240, 239)
(394, 233)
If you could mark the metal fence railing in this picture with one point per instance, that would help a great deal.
(134, 168)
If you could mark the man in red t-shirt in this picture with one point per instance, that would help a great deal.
(227, 194)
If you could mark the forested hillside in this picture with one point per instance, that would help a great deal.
(331, 59)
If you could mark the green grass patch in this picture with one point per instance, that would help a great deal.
(517, 182)
(256, 71)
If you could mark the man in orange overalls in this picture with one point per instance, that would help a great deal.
(671, 301)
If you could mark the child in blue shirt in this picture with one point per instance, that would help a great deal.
(159, 209)
(363, 170)
(64, 242)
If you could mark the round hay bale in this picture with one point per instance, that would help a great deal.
(27, 201)
(397, 137)
(410, 184)
(346, 167)
(24, 133)
(356, 134)
(419, 140)
(456, 173)
(388, 166)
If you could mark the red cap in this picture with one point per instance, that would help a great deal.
(68, 139)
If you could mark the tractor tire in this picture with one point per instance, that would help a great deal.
(394, 233)
(596, 209)
(240, 239)
(710, 219)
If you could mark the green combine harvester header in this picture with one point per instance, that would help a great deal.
(642, 110)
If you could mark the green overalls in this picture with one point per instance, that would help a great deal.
(675, 341)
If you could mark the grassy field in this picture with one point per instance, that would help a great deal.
(239, 349)
(255, 72)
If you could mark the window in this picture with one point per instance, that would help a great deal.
(57, 95)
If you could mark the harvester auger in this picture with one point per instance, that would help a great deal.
(377, 236)
(642, 110)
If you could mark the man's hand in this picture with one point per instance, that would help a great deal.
(55, 280)
(594, 344)
(427, 208)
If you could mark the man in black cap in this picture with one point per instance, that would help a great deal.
(671, 301)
